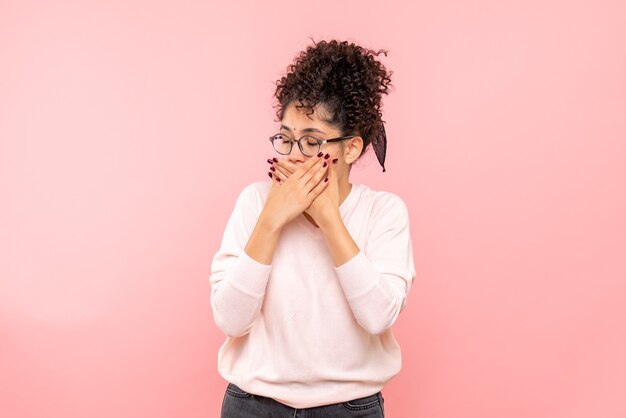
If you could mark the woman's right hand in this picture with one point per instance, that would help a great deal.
(289, 198)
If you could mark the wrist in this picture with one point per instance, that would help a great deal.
(270, 223)
(330, 222)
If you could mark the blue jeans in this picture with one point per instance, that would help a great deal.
(238, 403)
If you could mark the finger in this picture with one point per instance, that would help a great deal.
(274, 177)
(287, 166)
(279, 176)
(321, 173)
(308, 179)
(308, 164)
(277, 167)
(332, 170)
(315, 191)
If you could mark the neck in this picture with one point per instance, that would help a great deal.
(344, 189)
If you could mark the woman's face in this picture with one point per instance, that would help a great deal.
(296, 124)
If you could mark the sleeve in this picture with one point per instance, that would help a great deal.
(238, 281)
(377, 280)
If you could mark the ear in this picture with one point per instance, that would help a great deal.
(352, 149)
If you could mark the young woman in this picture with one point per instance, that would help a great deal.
(313, 270)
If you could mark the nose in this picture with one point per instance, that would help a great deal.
(296, 155)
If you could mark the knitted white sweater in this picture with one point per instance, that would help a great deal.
(301, 330)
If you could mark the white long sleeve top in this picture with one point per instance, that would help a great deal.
(301, 330)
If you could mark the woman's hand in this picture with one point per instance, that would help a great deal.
(326, 204)
(325, 207)
(282, 169)
(290, 196)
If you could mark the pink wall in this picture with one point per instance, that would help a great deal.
(127, 129)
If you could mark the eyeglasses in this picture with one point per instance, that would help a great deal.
(309, 145)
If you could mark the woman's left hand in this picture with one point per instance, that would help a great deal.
(325, 206)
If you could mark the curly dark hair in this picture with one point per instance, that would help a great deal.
(347, 80)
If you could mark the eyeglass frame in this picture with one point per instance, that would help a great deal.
(320, 142)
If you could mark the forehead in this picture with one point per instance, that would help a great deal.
(297, 119)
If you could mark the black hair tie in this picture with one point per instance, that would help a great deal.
(379, 143)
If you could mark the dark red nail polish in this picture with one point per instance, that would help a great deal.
(325, 164)
(269, 161)
(326, 179)
(278, 179)
(272, 168)
(335, 160)
(275, 159)
(269, 174)
(326, 156)
(319, 154)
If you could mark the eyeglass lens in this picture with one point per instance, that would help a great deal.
(282, 144)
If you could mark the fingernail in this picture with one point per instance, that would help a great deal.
(269, 161)
(319, 154)
(275, 159)
(323, 165)
(269, 174)
(272, 168)
(335, 160)
(326, 179)
(326, 156)
(278, 179)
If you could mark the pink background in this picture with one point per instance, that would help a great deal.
(128, 128)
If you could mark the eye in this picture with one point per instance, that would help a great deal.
(310, 140)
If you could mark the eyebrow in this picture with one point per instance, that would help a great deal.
(304, 130)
